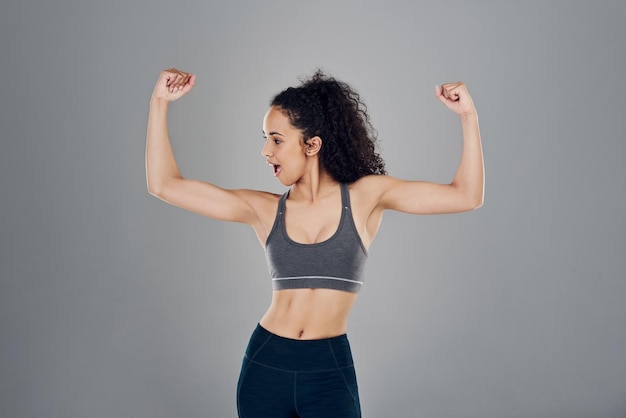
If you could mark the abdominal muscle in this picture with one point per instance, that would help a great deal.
(308, 314)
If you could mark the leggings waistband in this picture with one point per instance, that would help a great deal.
(284, 353)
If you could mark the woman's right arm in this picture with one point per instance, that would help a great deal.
(165, 180)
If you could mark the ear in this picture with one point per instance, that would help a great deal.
(313, 146)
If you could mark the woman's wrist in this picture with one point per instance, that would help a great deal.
(470, 115)
(159, 102)
(158, 105)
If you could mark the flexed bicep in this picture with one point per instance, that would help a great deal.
(209, 200)
(424, 198)
(164, 179)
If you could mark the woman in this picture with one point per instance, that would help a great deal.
(319, 142)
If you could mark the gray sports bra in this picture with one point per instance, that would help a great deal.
(337, 263)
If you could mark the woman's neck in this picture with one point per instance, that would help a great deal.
(313, 187)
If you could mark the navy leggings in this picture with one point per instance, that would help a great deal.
(283, 378)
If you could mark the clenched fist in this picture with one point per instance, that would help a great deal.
(456, 97)
(173, 84)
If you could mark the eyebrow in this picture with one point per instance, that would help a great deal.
(272, 133)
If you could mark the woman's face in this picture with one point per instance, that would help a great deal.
(284, 147)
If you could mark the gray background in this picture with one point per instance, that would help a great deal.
(114, 304)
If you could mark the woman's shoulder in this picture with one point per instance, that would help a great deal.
(372, 184)
(367, 190)
(375, 190)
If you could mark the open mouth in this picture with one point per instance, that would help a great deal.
(276, 168)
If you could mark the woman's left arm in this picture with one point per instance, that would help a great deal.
(466, 191)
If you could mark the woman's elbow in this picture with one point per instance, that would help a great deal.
(470, 203)
(476, 203)
(155, 189)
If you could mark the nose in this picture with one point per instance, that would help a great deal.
(266, 150)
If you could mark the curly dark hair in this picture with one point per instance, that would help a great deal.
(331, 109)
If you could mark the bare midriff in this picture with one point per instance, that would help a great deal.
(308, 314)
